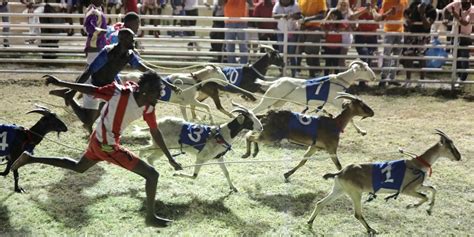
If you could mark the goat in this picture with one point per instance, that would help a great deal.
(402, 176)
(188, 83)
(316, 132)
(205, 142)
(242, 77)
(319, 90)
(14, 140)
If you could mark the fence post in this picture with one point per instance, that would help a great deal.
(285, 45)
(455, 54)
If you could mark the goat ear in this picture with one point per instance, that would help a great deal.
(240, 118)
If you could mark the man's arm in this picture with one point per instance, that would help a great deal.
(158, 138)
(83, 88)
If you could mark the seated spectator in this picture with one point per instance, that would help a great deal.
(264, 9)
(419, 17)
(333, 36)
(463, 13)
(5, 30)
(288, 10)
(111, 4)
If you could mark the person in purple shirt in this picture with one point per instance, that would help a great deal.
(95, 21)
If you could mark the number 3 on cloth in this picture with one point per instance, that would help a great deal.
(195, 135)
(3, 141)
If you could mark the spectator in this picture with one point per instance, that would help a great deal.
(130, 21)
(178, 10)
(190, 9)
(311, 10)
(392, 10)
(344, 7)
(288, 10)
(152, 7)
(50, 43)
(130, 6)
(83, 4)
(69, 6)
(95, 25)
(111, 4)
(33, 7)
(6, 29)
(333, 36)
(463, 13)
(236, 8)
(264, 9)
(365, 13)
(419, 17)
(218, 11)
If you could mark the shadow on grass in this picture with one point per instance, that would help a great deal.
(295, 205)
(5, 226)
(211, 209)
(66, 203)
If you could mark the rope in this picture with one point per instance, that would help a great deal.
(171, 68)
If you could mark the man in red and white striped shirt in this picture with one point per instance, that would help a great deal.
(125, 103)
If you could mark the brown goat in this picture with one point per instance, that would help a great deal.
(276, 126)
(355, 179)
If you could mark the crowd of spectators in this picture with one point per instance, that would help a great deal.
(306, 17)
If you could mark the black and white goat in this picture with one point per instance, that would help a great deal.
(399, 177)
(315, 132)
(14, 140)
(314, 92)
(206, 142)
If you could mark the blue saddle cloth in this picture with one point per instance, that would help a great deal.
(318, 89)
(194, 135)
(8, 132)
(304, 124)
(233, 75)
(165, 90)
(388, 175)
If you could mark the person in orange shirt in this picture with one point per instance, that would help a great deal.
(311, 10)
(392, 10)
(236, 8)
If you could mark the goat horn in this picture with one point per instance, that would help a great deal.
(42, 107)
(441, 133)
(264, 46)
(39, 111)
(239, 107)
(343, 95)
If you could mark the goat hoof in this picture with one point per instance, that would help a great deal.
(20, 190)
(245, 155)
(254, 154)
(372, 232)
(234, 190)
(363, 133)
(429, 212)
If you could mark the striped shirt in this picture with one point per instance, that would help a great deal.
(95, 18)
(120, 110)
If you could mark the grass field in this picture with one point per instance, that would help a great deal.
(108, 200)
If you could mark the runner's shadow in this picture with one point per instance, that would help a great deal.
(5, 226)
(295, 205)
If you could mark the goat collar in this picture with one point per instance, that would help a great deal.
(221, 140)
(260, 75)
(425, 163)
(28, 144)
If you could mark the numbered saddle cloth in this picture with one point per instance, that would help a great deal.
(388, 175)
(317, 89)
(194, 135)
(166, 90)
(304, 124)
(233, 75)
(7, 135)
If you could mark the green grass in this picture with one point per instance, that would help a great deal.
(108, 200)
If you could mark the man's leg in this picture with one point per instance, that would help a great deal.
(64, 162)
(242, 36)
(151, 177)
(230, 47)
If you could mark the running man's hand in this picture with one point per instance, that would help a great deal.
(175, 164)
(177, 90)
(50, 80)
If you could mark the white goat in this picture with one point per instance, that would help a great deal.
(188, 82)
(314, 92)
(205, 141)
(355, 179)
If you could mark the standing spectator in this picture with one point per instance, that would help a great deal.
(32, 7)
(152, 7)
(236, 8)
(6, 29)
(69, 6)
(333, 36)
(111, 4)
(344, 7)
(95, 25)
(264, 9)
(288, 10)
(419, 18)
(130, 6)
(218, 10)
(82, 4)
(311, 10)
(392, 10)
(365, 13)
(463, 13)
(190, 9)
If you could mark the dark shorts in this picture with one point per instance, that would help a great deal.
(115, 154)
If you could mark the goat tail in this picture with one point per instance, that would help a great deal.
(331, 175)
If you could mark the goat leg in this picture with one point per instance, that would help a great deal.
(226, 173)
(7, 169)
(358, 129)
(310, 151)
(16, 177)
(356, 201)
(422, 196)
